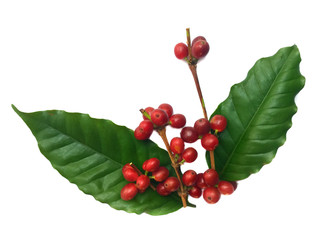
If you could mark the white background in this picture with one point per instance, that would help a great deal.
(109, 59)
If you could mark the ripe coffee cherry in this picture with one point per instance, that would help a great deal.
(211, 177)
(144, 130)
(161, 174)
(181, 50)
(167, 108)
(195, 192)
(177, 120)
(143, 182)
(209, 142)
(234, 184)
(148, 110)
(177, 145)
(211, 195)
(189, 155)
(200, 49)
(129, 173)
(225, 188)
(151, 165)
(189, 134)
(202, 126)
(197, 39)
(162, 190)
(129, 191)
(159, 117)
(189, 178)
(171, 184)
(218, 122)
(200, 181)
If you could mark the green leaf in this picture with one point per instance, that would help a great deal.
(259, 112)
(91, 152)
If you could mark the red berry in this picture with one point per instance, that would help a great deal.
(195, 192)
(209, 142)
(189, 134)
(171, 184)
(200, 181)
(181, 50)
(143, 182)
(197, 39)
(144, 130)
(129, 173)
(177, 120)
(167, 108)
(177, 145)
(148, 110)
(161, 174)
(202, 126)
(225, 188)
(129, 191)
(189, 155)
(189, 178)
(162, 190)
(211, 177)
(211, 195)
(200, 49)
(159, 117)
(151, 165)
(218, 122)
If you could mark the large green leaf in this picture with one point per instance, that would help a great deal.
(91, 152)
(259, 111)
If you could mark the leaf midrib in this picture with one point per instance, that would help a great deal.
(249, 124)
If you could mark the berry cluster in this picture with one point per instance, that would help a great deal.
(199, 49)
(158, 118)
(208, 183)
(159, 173)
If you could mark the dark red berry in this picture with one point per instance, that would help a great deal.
(171, 184)
(177, 120)
(177, 145)
(209, 142)
(161, 174)
(151, 165)
(225, 187)
(143, 182)
(197, 39)
(129, 173)
(202, 126)
(200, 49)
(200, 181)
(195, 192)
(234, 184)
(211, 195)
(211, 177)
(162, 190)
(167, 108)
(148, 110)
(189, 155)
(181, 50)
(159, 117)
(129, 191)
(189, 134)
(218, 122)
(189, 178)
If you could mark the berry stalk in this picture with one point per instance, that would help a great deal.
(175, 165)
(193, 69)
(140, 173)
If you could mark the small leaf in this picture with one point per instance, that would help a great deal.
(259, 112)
(91, 152)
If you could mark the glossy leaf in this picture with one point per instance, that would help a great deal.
(259, 112)
(91, 152)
